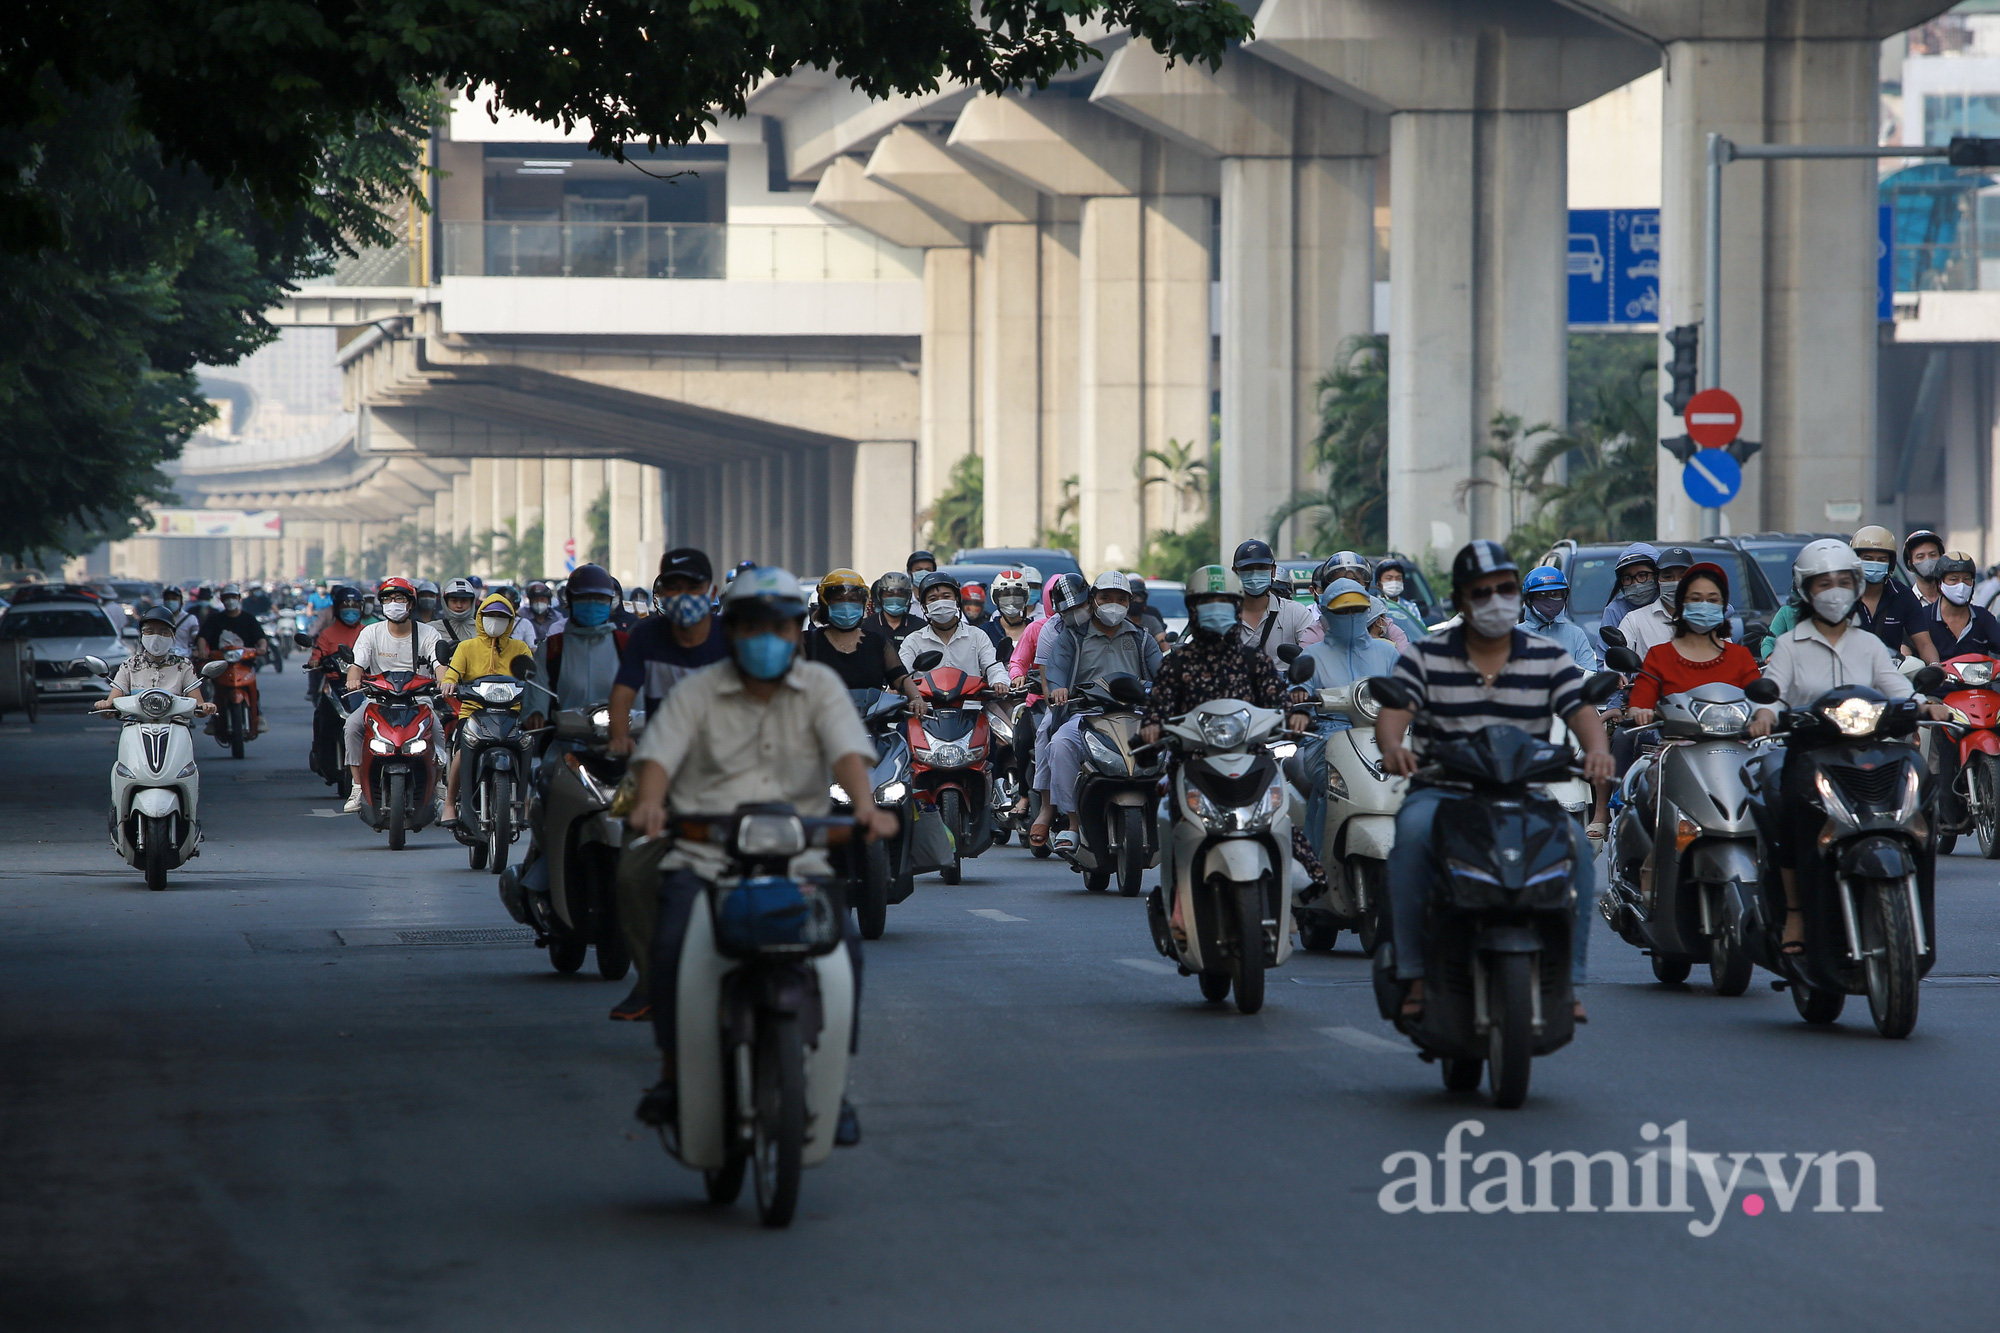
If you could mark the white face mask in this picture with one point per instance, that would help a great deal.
(1392, 588)
(1833, 604)
(1113, 614)
(395, 610)
(159, 645)
(495, 625)
(1958, 594)
(942, 613)
(1495, 616)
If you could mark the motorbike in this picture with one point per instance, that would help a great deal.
(886, 876)
(400, 763)
(1968, 756)
(580, 839)
(949, 767)
(235, 689)
(1498, 928)
(155, 817)
(1359, 829)
(1026, 719)
(493, 762)
(1685, 816)
(1867, 885)
(765, 1009)
(1226, 859)
(273, 651)
(1117, 788)
(328, 756)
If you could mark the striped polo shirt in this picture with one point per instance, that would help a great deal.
(1539, 683)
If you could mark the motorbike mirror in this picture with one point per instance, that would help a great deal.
(1300, 671)
(1763, 690)
(1604, 684)
(1391, 693)
(1173, 637)
(1929, 680)
(1613, 637)
(521, 668)
(214, 669)
(1622, 659)
(303, 640)
(1289, 652)
(442, 656)
(1126, 690)
(96, 665)
(1754, 634)
(927, 661)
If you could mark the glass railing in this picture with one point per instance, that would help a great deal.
(675, 250)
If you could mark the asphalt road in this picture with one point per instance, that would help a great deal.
(240, 1105)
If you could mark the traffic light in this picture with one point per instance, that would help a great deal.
(1686, 340)
(1966, 152)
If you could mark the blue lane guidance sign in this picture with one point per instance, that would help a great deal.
(1712, 478)
(1614, 266)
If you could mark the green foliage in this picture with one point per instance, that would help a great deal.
(1351, 449)
(1065, 533)
(251, 92)
(1175, 555)
(598, 521)
(958, 519)
(515, 558)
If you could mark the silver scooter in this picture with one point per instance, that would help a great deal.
(1687, 816)
(1359, 829)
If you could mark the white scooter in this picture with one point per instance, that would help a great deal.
(1226, 861)
(1359, 829)
(155, 789)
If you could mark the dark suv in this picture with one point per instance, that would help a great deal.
(1590, 569)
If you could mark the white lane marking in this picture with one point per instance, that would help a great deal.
(1366, 1041)
(1153, 965)
(994, 914)
(321, 814)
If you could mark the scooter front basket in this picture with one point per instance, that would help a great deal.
(775, 916)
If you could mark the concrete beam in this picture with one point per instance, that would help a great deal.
(826, 118)
(1247, 108)
(846, 192)
(1065, 146)
(1762, 20)
(917, 164)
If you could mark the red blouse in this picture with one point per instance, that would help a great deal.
(1667, 672)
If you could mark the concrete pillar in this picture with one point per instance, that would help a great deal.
(1010, 398)
(558, 519)
(1111, 372)
(1175, 371)
(586, 485)
(622, 477)
(492, 483)
(350, 548)
(949, 375)
(461, 509)
(652, 527)
(1060, 239)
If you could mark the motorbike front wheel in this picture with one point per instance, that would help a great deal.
(871, 902)
(239, 728)
(1817, 1006)
(1509, 1052)
(779, 1135)
(1371, 879)
(1214, 986)
(399, 805)
(1132, 851)
(1984, 781)
(1728, 968)
(499, 820)
(1249, 948)
(159, 848)
(614, 960)
(1671, 971)
(1893, 965)
(567, 952)
(1462, 1075)
(475, 855)
(951, 810)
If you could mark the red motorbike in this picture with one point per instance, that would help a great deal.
(399, 751)
(1968, 756)
(949, 765)
(235, 692)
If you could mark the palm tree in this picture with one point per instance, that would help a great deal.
(1184, 472)
(1352, 449)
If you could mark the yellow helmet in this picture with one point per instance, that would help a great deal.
(839, 580)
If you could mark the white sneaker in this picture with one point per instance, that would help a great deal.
(353, 805)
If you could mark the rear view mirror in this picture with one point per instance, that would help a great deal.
(927, 661)
(1301, 670)
(1391, 693)
(1754, 634)
(1289, 652)
(1622, 659)
(303, 640)
(214, 669)
(1763, 690)
(1929, 680)
(1126, 690)
(1604, 684)
(96, 665)
(1612, 636)
(442, 655)
(522, 668)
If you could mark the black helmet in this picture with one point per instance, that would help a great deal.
(1920, 535)
(1070, 592)
(1477, 559)
(1253, 552)
(592, 579)
(893, 583)
(934, 580)
(1955, 562)
(343, 595)
(910, 564)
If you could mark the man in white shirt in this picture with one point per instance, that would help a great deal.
(944, 631)
(1268, 622)
(1653, 624)
(397, 642)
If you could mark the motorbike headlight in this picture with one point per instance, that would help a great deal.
(1912, 786)
(380, 746)
(1722, 719)
(1361, 701)
(1003, 729)
(1469, 870)
(949, 754)
(1225, 731)
(1205, 810)
(891, 793)
(600, 723)
(1275, 799)
(1976, 673)
(1336, 785)
(1283, 750)
(187, 772)
(1559, 870)
(770, 835)
(1103, 753)
(1855, 717)
(1836, 804)
(417, 746)
(838, 795)
(124, 772)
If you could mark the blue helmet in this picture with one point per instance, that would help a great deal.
(1544, 579)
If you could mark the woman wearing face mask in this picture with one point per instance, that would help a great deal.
(490, 652)
(1699, 653)
(861, 657)
(1953, 627)
(893, 596)
(1347, 654)
(156, 666)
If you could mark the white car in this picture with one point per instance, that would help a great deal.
(61, 631)
(1169, 602)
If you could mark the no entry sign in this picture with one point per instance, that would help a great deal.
(1714, 418)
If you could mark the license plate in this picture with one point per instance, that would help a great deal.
(66, 685)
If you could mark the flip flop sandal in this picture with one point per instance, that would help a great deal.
(1038, 836)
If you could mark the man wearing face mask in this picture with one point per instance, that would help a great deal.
(492, 652)
(893, 596)
(1954, 627)
(664, 649)
(397, 642)
(186, 624)
(1392, 583)
(763, 726)
(230, 626)
(945, 631)
(540, 610)
(1269, 622)
(1637, 575)
(342, 628)
(1485, 671)
(1011, 600)
(1922, 550)
(919, 564)
(1108, 645)
(1653, 624)
(1886, 608)
(972, 605)
(429, 603)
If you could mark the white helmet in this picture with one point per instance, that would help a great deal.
(1828, 555)
(1009, 590)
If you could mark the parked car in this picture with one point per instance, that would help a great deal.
(1169, 602)
(1593, 582)
(60, 630)
(1048, 560)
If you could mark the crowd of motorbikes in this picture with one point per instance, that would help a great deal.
(1211, 804)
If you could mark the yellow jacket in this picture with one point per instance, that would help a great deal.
(484, 655)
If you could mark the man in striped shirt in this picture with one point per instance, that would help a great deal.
(1484, 672)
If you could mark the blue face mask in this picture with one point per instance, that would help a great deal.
(762, 656)
(685, 609)
(1874, 570)
(895, 606)
(350, 615)
(1214, 617)
(1257, 584)
(1702, 617)
(590, 613)
(844, 615)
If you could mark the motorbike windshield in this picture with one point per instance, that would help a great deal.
(1502, 756)
(950, 726)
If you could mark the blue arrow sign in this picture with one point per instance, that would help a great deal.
(1712, 478)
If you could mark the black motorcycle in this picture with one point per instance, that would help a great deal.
(494, 754)
(1866, 886)
(328, 756)
(1117, 788)
(1499, 926)
(885, 875)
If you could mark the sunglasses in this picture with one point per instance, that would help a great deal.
(1477, 595)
